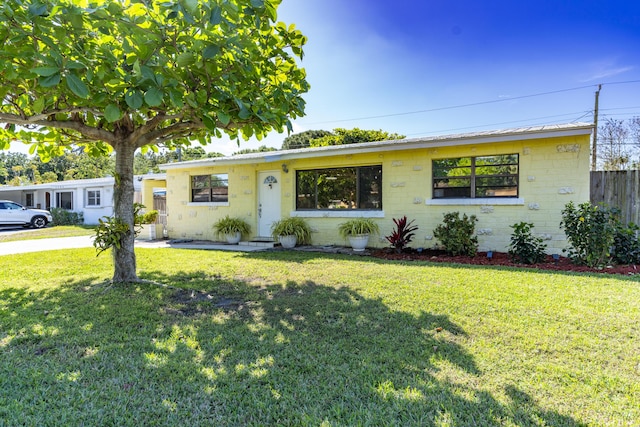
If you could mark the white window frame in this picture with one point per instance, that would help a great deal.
(97, 197)
(57, 199)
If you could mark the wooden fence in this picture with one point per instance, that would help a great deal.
(620, 189)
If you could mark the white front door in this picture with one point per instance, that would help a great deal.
(269, 196)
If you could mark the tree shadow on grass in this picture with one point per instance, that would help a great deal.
(232, 353)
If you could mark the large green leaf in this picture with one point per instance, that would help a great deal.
(224, 118)
(77, 86)
(185, 59)
(45, 71)
(210, 51)
(112, 113)
(216, 15)
(50, 81)
(153, 97)
(134, 99)
(38, 105)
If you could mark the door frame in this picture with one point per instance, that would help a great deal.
(264, 228)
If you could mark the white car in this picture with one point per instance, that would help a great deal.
(12, 213)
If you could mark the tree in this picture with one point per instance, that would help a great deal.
(123, 75)
(342, 136)
(614, 150)
(150, 161)
(75, 165)
(261, 149)
(8, 161)
(302, 139)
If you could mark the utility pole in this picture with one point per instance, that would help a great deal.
(594, 155)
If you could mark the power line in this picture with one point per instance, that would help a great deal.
(473, 104)
(584, 114)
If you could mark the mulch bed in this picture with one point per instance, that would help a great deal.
(499, 259)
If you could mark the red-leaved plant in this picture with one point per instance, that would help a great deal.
(403, 234)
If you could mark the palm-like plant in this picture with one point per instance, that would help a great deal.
(403, 234)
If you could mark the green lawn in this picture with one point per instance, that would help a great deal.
(291, 338)
(50, 232)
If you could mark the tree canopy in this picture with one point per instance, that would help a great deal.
(127, 74)
(342, 136)
(339, 136)
(302, 139)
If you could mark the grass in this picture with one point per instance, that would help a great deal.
(50, 232)
(292, 338)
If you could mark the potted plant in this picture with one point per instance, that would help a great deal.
(291, 231)
(231, 229)
(145, 221)
(357, 231)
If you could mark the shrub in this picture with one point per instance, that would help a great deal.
(65, 217)
(526, 248)
(626, 245)
(403, 234)
(292, 226)
(229, 225)
(456, 234)
(358, 226)
(590, 230)
(143, 218)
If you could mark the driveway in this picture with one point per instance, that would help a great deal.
(24, 246)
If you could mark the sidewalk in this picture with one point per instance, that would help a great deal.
(25, 246)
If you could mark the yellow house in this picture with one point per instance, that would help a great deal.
(503, 177)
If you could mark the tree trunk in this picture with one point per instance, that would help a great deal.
(124, 258)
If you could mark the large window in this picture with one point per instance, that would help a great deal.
(93, 197)
(210, 188)
(64, 200)
(475, 177)
(339, 188)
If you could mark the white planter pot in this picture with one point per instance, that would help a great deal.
(359, 242)
(147, 232)
(234, 238)
(288, 242)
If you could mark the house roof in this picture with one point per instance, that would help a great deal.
(484, 137)
(79, 183)
(61, 185)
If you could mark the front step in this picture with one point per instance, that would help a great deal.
(260, 242)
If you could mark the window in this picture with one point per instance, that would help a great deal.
(210, 188)
(64, 200)
(339, 188)
(10, 205)
(93, 197)
(29, 199)
(476, 177)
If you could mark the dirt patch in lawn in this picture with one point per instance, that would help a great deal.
(499, 259)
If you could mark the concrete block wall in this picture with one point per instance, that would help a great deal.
(552, 172)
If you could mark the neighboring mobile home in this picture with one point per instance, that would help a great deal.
(503, 177)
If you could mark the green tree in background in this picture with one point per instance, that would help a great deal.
(261, 149)
(302, 139)
(122, 75)
(342, 136)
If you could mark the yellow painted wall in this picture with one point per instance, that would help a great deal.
(193, 221)
(147, 191)
(552, 173)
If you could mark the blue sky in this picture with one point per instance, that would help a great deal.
(373, 61)
(398, 65)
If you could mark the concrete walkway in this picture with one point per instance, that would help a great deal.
(25, 246)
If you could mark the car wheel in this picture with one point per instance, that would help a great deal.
(38, 222)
